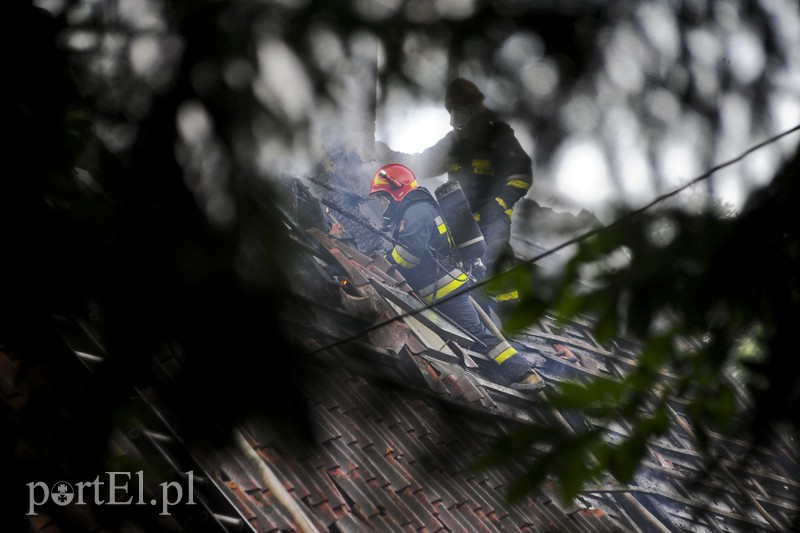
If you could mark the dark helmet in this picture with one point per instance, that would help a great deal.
(462, 93)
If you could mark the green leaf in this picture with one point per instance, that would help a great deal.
(659, 423)
(516, 444)
(625, 459)
(607, 325)
(569, 305)
(567, 460)
(572, 473)
(534, 476)
(640, 313)
(529, 310)
(722, 407)
(599, 392)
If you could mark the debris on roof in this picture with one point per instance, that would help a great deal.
(401, 410)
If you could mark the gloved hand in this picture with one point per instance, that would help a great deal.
(478, 269)
(501, 209)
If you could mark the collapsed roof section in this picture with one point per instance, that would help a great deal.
(406, 386)
(401, 409)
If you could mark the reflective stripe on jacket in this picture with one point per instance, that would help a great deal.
(449, 282)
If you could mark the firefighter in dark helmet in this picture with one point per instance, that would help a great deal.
(482, 154)
(422, 252)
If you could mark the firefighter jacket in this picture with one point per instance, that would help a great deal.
(424, 256)
(487, 161)
(422, 250)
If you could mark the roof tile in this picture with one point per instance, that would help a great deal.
(349, 524)
(420, 509)
(355, 490)
(332, 494)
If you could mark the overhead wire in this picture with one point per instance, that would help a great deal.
(569, 242)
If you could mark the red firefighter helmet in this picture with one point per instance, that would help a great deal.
(394, 179)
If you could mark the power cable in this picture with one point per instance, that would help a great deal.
(583, 236)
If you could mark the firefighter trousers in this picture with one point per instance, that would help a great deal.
(511, 365)
(499, 257)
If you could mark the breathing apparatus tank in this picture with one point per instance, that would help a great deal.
(467, 236)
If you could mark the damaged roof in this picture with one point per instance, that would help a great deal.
(401, 412)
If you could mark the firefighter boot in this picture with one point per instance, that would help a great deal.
(531, 381)
(514, 370)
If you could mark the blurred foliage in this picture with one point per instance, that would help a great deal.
(707, 299)
(143, 141)
(107, 218)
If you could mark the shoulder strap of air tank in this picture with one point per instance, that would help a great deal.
(423, 195)
(416, 196)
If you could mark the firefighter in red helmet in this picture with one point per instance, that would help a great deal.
(422, 252)
(482, 154)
